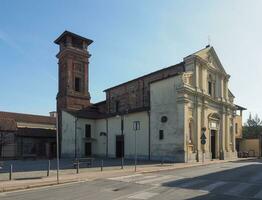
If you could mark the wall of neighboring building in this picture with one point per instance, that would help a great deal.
(251, 146)
(9, 147)
(238, 126)
(164, 103)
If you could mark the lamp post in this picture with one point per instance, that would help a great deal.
(136, 127)
(57, 151)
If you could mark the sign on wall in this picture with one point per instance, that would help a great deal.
(136, 125)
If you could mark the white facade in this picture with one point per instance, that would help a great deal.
(182, 107)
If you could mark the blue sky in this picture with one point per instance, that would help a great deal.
(131, 38)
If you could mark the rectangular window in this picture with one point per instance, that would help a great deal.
(117, 106)
(77, 84)
(161, 134)
(88, 131)
(209, 87)
(236, 128)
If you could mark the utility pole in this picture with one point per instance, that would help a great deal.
(57, 150)
(136, 127)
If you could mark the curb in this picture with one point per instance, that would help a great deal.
(79, 179)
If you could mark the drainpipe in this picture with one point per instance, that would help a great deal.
(107, 137)
(76, 137)
(149, 136)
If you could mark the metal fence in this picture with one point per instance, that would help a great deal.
(38, 169)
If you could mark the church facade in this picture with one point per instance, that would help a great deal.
(161, 115)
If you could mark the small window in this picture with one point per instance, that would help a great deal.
(209, 87)
(161, 134)
(236, 128)
(77, 84)
(117, 106)
(164, 119)
(88, 131)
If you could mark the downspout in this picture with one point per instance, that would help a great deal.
(149, 136)
(107, 137)
(76, 137)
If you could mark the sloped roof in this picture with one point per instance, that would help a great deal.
(7, 124)
(66, 33)
(36, 132)
(89, 113)
(28, 118)
(181, 64)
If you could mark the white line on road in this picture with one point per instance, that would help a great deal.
(154, 179)
(213, 186)
(191, 183)
(256, 177)
(143, 195)
(124, 177)
(258, 195)
(238, 189)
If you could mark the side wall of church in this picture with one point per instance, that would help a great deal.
(165, 104)
(136, 93)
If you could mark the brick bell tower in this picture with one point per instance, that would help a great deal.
(73, 88)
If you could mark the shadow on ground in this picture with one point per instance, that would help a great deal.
(247, 174)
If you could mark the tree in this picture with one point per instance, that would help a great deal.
(253, 127)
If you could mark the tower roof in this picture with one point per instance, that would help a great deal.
(73, 35)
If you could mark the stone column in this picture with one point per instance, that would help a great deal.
(227, 131)
(197, 125)
(234, 135)
(222, 134)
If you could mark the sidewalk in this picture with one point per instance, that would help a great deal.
(97, 174)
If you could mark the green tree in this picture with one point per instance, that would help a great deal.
(253, 127)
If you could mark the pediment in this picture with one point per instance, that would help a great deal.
(209, 55)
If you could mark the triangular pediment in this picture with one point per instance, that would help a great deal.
(209, 55)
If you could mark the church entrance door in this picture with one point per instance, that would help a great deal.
(120, 146)
(213, 144)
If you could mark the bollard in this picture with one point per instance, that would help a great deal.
(77, 168)
(102, 165)
(48, 168)
(162, 160)
(11, 172)
(122, 163)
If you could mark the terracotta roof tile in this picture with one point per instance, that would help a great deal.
(7, 124)
(28, 118)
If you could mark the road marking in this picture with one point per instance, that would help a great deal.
(124, 177)
(258, 195)
(174, 178)
(190, 183)
(143, 195)
(238, 189)
(154, 179)
(134, 179)
(257, 177)
(211, 187)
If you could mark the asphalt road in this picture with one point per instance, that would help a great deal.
(227, 181)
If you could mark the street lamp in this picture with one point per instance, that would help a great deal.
(136, 127)
(57, 151)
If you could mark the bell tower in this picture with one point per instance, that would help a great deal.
(73, 65)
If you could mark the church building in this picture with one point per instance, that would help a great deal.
(161, 115)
